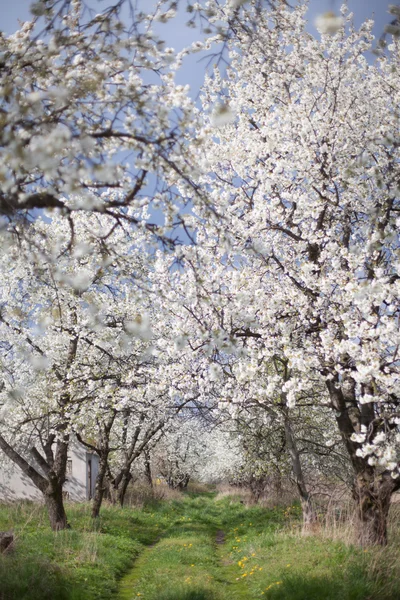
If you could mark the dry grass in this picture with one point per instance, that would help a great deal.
(225, 490)
(394, 524)
(141, 494)
(284, 497)
(196, 487)
(271, 498)
(167, 493)
(338, 520)
(338, 523)
(384, 562)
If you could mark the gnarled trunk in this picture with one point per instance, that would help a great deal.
(53, 497)
(309, 515)
(372, 496)
(176, 480)
(50, 484)
(372, 489)
(257, 486)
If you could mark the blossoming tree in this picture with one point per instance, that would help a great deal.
(304, 169)
(91, 119)
(78, 349)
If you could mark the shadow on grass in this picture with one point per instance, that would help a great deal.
(186, 595)
(350, 586)
(34, 580)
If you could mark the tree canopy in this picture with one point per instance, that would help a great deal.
(169, 266)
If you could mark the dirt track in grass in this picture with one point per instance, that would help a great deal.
(221, 550)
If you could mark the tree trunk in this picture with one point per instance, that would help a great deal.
(55, 506)
(184, 482)
(309, 514)
(257, 486)
(102, 449)
(372, 496)
(126, 478)
(100, 486)
(372, 490)
(111, 491)
(147, 469)
(51, 484)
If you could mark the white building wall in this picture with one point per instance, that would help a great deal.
(15, 485)
(75, 486)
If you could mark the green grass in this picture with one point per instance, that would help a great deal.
(84, 563)
(168, 550)
(263, 556)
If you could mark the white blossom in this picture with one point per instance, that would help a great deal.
(328, 23)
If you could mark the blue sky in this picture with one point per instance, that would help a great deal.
(177, 35)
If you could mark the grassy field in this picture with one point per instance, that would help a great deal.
(83, 563)
(200, 547)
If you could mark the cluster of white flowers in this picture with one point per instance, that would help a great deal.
(329, 23)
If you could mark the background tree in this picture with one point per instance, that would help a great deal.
(77, 336)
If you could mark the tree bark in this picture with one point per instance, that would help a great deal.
(100, 485)
(147, 468)
(309, 514)
(184, 482)
(126, 478)
(257, 486)
(372, 495)
(372, 489)
(53, 493)
(53, 498)
(51, 483)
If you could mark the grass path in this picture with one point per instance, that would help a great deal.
(189, 561)
(222, 550)
(195, 548)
